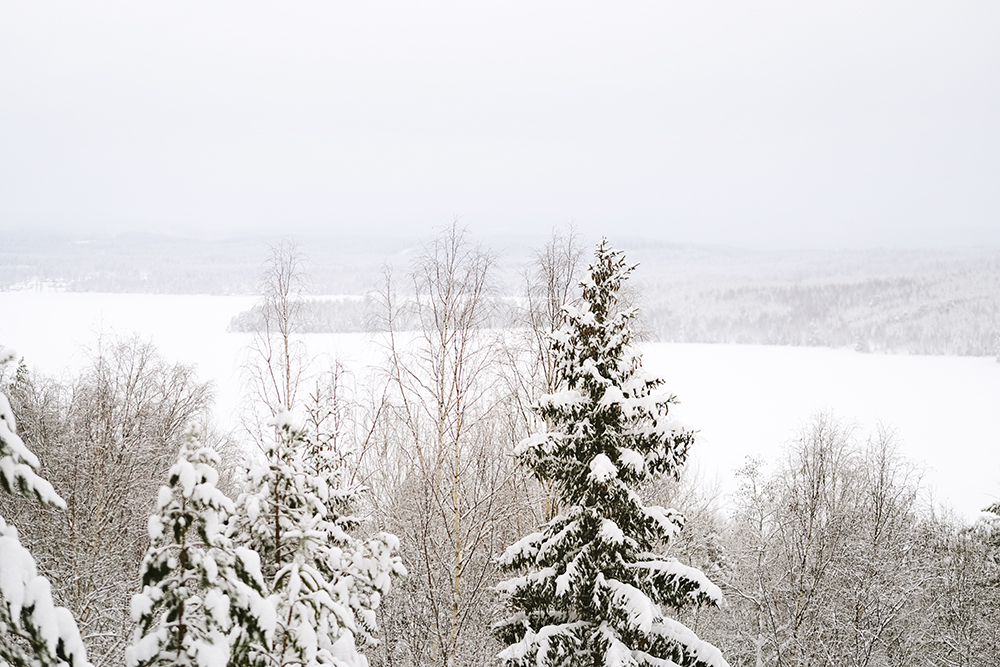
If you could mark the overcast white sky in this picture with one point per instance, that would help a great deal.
(760, 124)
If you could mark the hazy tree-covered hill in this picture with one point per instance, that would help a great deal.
(156, 264)
(915, 301)
(904, 301)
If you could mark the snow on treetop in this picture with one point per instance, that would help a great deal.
(526, 547)
(542, 639)
(613, 396)
(668, 520)
(679, 633)
(532, 441)
(617, 653)
(641, 611)
(610, 532)
(562, 400)
(700, 587)
(632, 459)
(284, 420)
(602, 469)
(515, 584)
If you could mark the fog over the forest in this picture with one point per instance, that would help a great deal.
(774, 125)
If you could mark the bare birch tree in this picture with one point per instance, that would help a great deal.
(456, 498)
(827, 562)
(276, 363)
(551, 280)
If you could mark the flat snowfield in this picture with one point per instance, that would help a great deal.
(744, 400)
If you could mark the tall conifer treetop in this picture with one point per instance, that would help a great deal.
(592, 591)
(201, 603)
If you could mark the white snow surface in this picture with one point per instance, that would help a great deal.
(678, 632)
(526, 546)
(602, 469)
(671, 566)
(610, 532)
(541, 640)
(745, 400)
(664, 518)
(642, 611)
(618, 654)
(563, 400)
(631, 459)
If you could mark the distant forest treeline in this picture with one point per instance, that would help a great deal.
(917, 302)
(946, 313)
(900, 301)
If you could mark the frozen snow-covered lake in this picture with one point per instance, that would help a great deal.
(746, 400)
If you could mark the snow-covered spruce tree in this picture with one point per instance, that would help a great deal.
(33, 631)
(201, 601)
(592, 592)
(324, 584)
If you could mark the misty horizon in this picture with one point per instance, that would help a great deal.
(782, 126)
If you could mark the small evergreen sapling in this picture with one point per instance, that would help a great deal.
(33, 631)
(201, 600)
(324, 584)
(593, 591)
